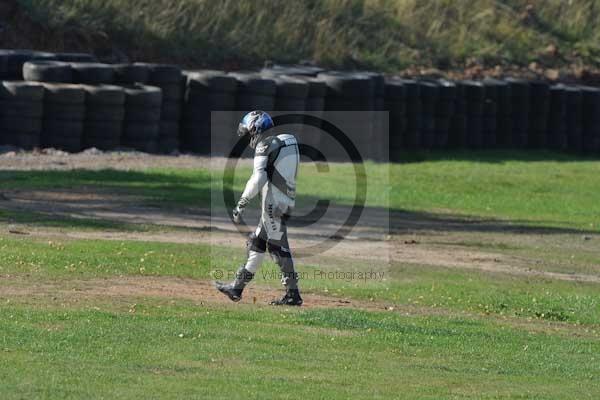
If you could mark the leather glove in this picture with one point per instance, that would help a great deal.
(239, 210)
(237, 215)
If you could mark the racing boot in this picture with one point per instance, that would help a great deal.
(291, 298)
(234, 289)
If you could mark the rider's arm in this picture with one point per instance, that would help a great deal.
(259, 174)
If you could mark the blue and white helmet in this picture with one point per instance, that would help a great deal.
(254, 124)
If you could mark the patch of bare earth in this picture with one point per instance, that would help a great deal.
(56, 160)
(200, 291)
(131, 289)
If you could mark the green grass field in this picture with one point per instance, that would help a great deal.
(430, 331)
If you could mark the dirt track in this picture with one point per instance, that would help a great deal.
(200, 229)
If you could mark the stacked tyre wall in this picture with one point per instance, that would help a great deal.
(172, 83)
(141, 125)
(208, 91)
(72, 102)
(64, 116)
(104, 116)
(21, 113)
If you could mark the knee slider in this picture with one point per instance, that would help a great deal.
(278, 254)
(283, 258)
(255, 243)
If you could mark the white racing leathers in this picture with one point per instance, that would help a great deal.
(276, 162)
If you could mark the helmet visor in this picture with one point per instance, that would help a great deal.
(243, 130)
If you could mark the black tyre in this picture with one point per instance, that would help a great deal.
(172, 91)
(396, 109)
(346, 84)
(104, 95)
(92, 73)
(378, 81)
(287, 86)
(21, 140)
(47, 71)
(413, 90)
(474, 91)
(395, 89)
(575, 136)
(429, 97)
(445, 107)
(196, 137)
(64, 111)
(21, 109)
(316, 104)
(458, 131)
(299, 70)
(519, 88)
(21, 91)
(142, 95)
(142, 114)
(213, 101)
(249, 102)
(21, 125)
(475, 108)
(290, 104)
(140, 131)
(590, 101)
(210, 81)
(520, 139)
(335, 103)
(63, 93)
(490, 108)
(253, 84)
(475, 132)
(129, 74)
(558, 101)
(104, 130)
(540, 106)
(70, 144)
(63, 128)
(171, 111)
(162, 73)
(447, 90)
(499, 92)
(504, 131)
(13, 61)
(167, 145)
(105, 113)
(169, 129)
(539, 90)
(316, 87)
(100, 143)
(3, 69)
(489, 124)
(430, 91)
(144, 146)
(413, 105)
